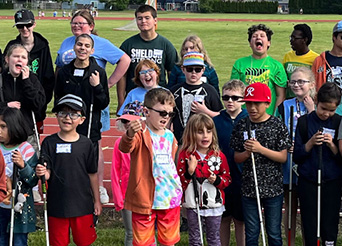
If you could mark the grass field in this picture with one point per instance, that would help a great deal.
(224, 41)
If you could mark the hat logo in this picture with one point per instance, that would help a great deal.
(19, 15)
(250, 92)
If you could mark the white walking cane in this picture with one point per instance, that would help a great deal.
(319, 187)
(194, 182)
(14, 187)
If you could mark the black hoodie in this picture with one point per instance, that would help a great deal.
(40, 63)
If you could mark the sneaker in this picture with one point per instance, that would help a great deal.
(104, 198)
(36, 196)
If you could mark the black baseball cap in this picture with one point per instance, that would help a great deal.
(23, 16)
(72, 101)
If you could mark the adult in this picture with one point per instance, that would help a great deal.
(260, 67)
(147, 44)
(300, 55)
(328, 66)
(194, 43)
(104, 51)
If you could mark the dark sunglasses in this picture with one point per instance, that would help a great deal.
(21, 26)
(234, 98)
(124, 121)
(163, 113)
(197, 69)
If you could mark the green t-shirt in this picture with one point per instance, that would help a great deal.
(160, 50)
(267, 71)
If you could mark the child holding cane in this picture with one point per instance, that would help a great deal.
(269, 143)
(319, 129)
(201, 157)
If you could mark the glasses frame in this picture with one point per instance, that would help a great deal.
(80, 24)
(163, 113)
(148, 71)
(300, 82)
(72, 115)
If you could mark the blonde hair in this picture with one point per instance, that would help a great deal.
(198, 122)
(310, 75)
(234, 85)
(197, 42)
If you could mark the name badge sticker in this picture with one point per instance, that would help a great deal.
(63, 148)
(79, 72)
(162, 159)
(331, 132)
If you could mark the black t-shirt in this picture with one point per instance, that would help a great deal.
(69, 191)
(185, 94)
(334, 72)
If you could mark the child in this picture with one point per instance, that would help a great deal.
(201, 158)
(193, 96)
(232, 94)
(3, 178)
(121, 167)
(269, 142)
(16, 151)
(146, 78)
(315, 130)
(154, 189)
(71, 174)
(302, 84)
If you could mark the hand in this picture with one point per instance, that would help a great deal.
(97, 208)
(317, 138)
(192, 164)
(25, 71)
(198, 107)
(17, 159)
(252, 145)
(133, 127)
(291, 148)
(41, 169)
(14, 104)
(94, 79)
(309, 104)
(212, 177)
(328, 140)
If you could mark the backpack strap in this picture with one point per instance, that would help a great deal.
(336, 119)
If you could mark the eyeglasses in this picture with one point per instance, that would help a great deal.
(197, 69)
(148, 71)
(80, 24)
(234, 98)
(163, 113)
(21, 26)
(300, 82)
(294, 38)
(64, 114)
(124, 121)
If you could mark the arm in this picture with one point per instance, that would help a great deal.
(94, 183)
(281, 95)
(98, 81)
(48, 78)
(26, 167)
(121, 91)
(120, 70)
(129, 139)
(340, 146)
(33, 92)
(213, 79)
(198, 107)
(240, 157)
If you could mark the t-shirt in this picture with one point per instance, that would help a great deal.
(292, 61)
(273, 135)
(168, 187)
(160, 50)
(184, 95)
(104, 51)
(267, 71)
(69, 193)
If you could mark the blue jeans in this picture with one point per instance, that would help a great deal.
(272, 213)
(20, 239)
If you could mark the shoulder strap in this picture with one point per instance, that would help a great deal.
(336, 119)
(303, 131)
(1, 91)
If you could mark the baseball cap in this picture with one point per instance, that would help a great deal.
(338, 27)
(72, 101)
(257, 92)
(132, 111)
(23, 16)
(193, 59)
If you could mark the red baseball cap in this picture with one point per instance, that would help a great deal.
(257, 92)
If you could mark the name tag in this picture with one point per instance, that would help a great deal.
(158, 52)
(162, 159)
(331, 132)
(8, 157)
(204, 79)
(245, 135)
(79, 72)
(199, 98)
(63, 148)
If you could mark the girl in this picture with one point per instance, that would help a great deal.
(16, 151)
(201, 158)
(302, 84)
(315, 139)
(121, 167)
(194, 43)
(146, 78)
(21, 89)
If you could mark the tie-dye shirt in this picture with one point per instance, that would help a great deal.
(168, 191)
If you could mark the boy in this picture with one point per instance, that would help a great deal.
(232, 94)
(154, 189)
(269, 142)
(71, 174)
(193, 96)
(319, 129)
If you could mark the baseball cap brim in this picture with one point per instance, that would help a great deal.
(253, 100)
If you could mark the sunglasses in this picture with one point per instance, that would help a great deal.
(64, 114)
(234, 98)
(21, 26)
(163, 113)
(197, 69)
(124, 121)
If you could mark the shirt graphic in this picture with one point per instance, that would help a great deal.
(254, 75)
(155, 55)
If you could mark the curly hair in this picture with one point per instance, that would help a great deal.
(260, 27)
(306, 30)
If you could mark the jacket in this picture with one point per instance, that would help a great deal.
(40, 64)
(319, 69)
(141, 185)
(210, 195)
(3, 188)
(29, 92)
(67, 83)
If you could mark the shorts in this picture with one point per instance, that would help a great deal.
(82, 228)
(167, 222)
(105, 119)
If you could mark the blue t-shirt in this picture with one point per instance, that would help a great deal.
(104, 51)
(137, 94)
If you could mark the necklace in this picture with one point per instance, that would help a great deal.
(262, 64)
